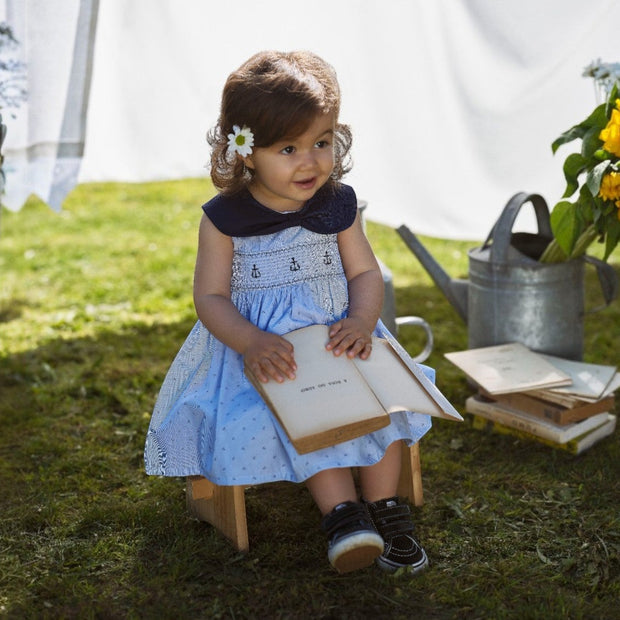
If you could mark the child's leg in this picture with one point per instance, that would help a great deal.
(331, 487)
(380, 480)
(390, 516)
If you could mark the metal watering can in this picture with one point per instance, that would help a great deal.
(510, 296)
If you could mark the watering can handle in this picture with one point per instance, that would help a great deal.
(501, 231)
(607, 279)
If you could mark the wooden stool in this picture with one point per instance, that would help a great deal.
(224, 506)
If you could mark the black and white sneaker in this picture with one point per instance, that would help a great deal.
(392, 520)
(353, 541)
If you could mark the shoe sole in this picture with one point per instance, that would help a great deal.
(391, 567)
(355, 552)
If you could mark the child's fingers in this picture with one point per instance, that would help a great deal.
(351, 336)
(281, 367)
(258, 372)
(352, 342)
(359, 347)
(349, 343)
(337, 335)
(265, 370)
(366, 351)
(271, 371)
(335, 328)
(273, 363)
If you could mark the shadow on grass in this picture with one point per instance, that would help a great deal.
(12, 310)
(85, 533)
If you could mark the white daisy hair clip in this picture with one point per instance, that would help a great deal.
(241, 141)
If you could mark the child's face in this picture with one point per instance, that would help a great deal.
(289, 172)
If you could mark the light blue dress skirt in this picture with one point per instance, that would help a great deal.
(208, 419)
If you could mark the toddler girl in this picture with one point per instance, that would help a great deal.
(282, 247)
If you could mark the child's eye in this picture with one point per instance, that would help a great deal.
(321, 144)
(288, 150)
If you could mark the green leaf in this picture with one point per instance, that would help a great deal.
(574, 165)
(597, 119)
(611, 101)
(595, 176)
(598, 219)
(591, 142)
(568, 136)
(612, 236)
(587, 206)
(565, 225)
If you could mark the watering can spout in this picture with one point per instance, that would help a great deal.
(456, 291)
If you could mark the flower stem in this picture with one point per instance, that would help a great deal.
(584, 241)
(555, 254)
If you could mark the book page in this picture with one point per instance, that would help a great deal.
(505, 368)
(327, 391)
(613, 385)
(588, 380)
(397, 387)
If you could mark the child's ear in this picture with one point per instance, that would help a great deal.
(247, 160)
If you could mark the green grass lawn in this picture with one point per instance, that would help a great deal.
(94, 304)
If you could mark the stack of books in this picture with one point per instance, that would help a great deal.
(561, 403)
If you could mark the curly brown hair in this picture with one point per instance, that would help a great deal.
(277, 95)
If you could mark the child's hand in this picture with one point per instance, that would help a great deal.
(270, 356)
(350, 335)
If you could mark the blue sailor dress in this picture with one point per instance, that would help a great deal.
(287, 273)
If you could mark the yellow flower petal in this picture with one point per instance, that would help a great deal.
(611, 134)
(610, 186)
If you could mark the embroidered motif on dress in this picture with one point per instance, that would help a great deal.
(315, 256)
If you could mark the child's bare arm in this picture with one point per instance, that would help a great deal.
(354, 333)
(269, 356)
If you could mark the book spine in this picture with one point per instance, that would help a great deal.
(552, 411)
(574, 446)
(555, 397)
(492, 411)
(530, 424)
(531, 404)
(484, 424)
(576, 414)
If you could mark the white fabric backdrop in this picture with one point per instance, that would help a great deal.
(453, 103)
(45, 135)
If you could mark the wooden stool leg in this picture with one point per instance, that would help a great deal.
(221, 506)
(410, 482)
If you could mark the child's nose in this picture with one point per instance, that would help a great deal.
(308, 159)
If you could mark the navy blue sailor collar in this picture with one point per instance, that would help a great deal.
(331, 210)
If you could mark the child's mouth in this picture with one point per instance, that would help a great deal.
(306, 183)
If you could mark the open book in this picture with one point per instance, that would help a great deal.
(505, 368)
(334, 399)
(589, 381)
